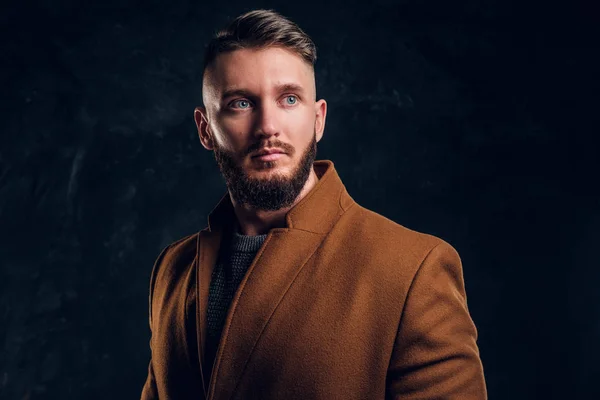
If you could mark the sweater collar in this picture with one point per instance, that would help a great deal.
(316, 212)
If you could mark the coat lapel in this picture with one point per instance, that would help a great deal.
(277, 263)
(265, 284)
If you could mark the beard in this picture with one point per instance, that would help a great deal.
(269, 194)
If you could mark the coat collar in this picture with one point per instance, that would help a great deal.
(279, 260)
(316, 212)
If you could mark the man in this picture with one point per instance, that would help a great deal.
(294, 291)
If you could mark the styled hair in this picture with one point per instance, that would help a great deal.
(259, 29)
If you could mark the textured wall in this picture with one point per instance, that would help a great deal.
(469, 120)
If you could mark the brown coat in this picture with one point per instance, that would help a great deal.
(342, 303)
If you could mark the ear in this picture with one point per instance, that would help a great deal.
(204, 133)
(321, 113)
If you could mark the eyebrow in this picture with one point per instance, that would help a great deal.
(285, 87)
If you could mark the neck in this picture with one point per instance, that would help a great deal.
(258, 222)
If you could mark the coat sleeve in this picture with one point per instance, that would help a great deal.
(150, 389)
(436, 354)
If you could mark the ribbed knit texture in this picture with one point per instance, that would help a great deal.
(234, 259)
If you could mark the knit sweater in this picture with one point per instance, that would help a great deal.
(236, 254)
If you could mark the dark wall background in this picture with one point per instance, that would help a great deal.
(475, 121)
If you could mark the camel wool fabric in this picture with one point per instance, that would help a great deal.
(341, 303)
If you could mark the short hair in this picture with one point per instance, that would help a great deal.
(259, 29)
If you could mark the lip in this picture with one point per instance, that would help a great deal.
(268, 151)
(268, 154)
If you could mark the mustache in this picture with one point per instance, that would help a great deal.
(288, 148)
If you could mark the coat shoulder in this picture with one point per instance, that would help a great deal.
(174, 260)
(183, 248)
(374, 230)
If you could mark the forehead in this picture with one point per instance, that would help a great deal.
(258, 70)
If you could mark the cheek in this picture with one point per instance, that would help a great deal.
(303, 127)
(232, 136)
(308, 119)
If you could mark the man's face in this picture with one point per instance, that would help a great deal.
(262, 100)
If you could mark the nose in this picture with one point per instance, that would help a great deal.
(267, 124)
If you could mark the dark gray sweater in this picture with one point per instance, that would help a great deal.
(235, 256)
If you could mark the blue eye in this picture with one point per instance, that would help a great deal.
(243, 103)
(291, 97)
